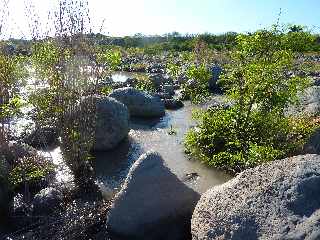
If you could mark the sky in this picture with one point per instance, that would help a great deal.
(127, 17)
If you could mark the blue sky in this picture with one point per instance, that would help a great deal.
(126, 17)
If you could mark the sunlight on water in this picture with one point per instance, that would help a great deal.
(63, 173)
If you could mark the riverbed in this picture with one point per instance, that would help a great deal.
(164, 135)
(154, 134)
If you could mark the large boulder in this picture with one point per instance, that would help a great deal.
(278, 200)
(47, 201)
(140, 104)
(168, 89)
(313, 143)
(112, 123)
(216, 71)
(309, 103)
(42, 137)
(152, 204)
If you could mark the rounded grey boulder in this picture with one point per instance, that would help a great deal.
(308, 104)
(42, 137)
(140, 104)
(278, 200)
(46, 201)
(112, 123)
(152, 204)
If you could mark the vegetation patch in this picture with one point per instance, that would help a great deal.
(255, 129)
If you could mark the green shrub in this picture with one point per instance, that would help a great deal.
(144, 83)
(197, 89)
(255, 129)
(30, 170)
(221, 143)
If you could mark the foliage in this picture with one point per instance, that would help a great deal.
(255, 129)
(218, 142)
(173, 70)
(106, 90)
(197, 88)
(12, 108)
(31, 170)
(109, 58)
(11, 72)
(72, 66)
(171, 41)
(144, 83)
(69, 81)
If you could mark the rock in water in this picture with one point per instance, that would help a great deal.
(157, 79)
(140, 104)
(152, 204)
(112, 123)
(172, 104)
(278, 200)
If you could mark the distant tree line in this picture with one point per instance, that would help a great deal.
(170, 41)
(167, 42)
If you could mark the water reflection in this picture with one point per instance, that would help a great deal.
(113, 166)
(122, 76)
(153, 134)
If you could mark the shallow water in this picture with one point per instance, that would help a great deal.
(123, 76)
(146, 135)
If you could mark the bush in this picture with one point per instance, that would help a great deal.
(197, 89)
(218, 142)
(31, 170)
(145, 84)
(255, 129)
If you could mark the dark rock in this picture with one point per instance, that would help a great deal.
(278, 200)
(162, 95)
(42, 137)
(191, 83)
(140, 104)
(16, 151)
(168, 89)
(8, 49)
(216, 71)
(173, 104)
(6, 196)
(157, 79)
(47, 201)
(316, 81)
(218, 101)
(152, 204)
(313, 143)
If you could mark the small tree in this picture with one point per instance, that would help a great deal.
(71, 68)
